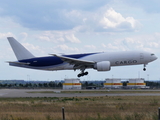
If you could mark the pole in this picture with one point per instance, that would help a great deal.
(63, 115)
(159, 113)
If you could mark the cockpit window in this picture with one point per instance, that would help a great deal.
(152, 54)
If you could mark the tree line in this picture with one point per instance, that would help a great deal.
(50, 84)
(55, 85)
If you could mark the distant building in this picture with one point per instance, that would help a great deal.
(72, 84)
(136, 83)
(113, 83)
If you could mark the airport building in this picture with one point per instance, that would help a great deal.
(136, 83)
(113, 83)
(72, 84)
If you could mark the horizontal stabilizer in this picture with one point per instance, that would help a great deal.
(21, 63)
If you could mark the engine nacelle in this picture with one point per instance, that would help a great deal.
(103, 66)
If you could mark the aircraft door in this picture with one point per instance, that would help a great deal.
(141, 57)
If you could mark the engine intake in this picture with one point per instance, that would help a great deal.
(102, 66)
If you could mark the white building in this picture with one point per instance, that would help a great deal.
(72, 84)
(136, 83)
(113, 83)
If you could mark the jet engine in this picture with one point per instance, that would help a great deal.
(102, 66)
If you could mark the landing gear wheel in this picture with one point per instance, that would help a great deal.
(82, 74)
(79, 75)
(144, 69)
(86, 73)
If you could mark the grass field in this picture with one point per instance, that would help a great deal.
(81, 108)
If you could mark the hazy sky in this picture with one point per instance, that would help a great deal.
(70, 26)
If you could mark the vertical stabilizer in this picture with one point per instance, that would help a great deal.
(20, 51)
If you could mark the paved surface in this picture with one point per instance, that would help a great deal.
(56, 93)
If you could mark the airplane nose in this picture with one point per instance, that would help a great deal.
(154, 57)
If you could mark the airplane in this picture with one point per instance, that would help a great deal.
(100, 61)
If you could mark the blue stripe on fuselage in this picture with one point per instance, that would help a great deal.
(51, 60)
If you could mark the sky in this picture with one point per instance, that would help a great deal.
(67, 26)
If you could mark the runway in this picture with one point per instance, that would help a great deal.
(14, 93)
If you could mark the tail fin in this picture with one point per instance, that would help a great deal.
(20, 51)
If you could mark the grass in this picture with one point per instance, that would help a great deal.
(81, 108)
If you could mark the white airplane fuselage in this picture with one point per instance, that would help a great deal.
(102, 61)
(115, 58)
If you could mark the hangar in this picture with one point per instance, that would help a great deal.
(113, 83)
(136, 83)
(72, 83)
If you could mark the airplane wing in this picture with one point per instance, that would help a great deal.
(78, 64)
(21, 63)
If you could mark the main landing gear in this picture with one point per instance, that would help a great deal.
(82, 74)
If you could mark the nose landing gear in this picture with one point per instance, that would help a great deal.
(144, 69)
